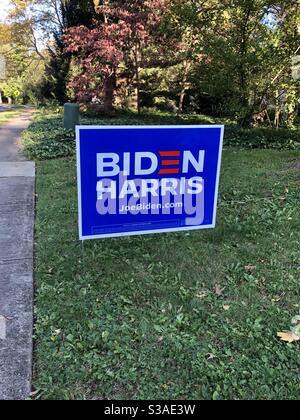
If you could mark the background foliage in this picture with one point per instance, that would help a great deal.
(230, 58)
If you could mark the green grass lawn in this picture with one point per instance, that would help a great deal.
(138, 317)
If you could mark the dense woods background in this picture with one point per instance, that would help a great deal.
(236, 58)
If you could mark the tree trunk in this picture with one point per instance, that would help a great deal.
(138, 92)
(277, 111)
(109, 88)
(185, 86)
(181, 100)
(277, 119)
(246, 113)
(137, 60)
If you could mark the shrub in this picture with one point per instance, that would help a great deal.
(46, 139)
(262, 138)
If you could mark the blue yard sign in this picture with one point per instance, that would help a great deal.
(139, 180)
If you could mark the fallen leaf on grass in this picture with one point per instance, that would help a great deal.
(34, 393)
(277, 299)
(250, 268)
(226, 307)
(219, 291)
(288, 336)
(202, 295)
(211, 356)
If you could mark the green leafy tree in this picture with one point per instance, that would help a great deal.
(246, 56)
(119, 46)
(23, 64)
(12, 89)
(40, 24)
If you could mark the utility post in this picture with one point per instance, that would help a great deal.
(71, 116)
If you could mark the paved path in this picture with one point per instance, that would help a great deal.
(17, 186)
(4, 108)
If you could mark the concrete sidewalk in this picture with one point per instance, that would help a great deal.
(17, 186)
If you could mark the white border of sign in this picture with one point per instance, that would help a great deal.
(138, 127)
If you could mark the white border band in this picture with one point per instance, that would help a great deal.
(144, 232)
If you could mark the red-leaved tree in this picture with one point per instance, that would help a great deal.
(116, 44)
